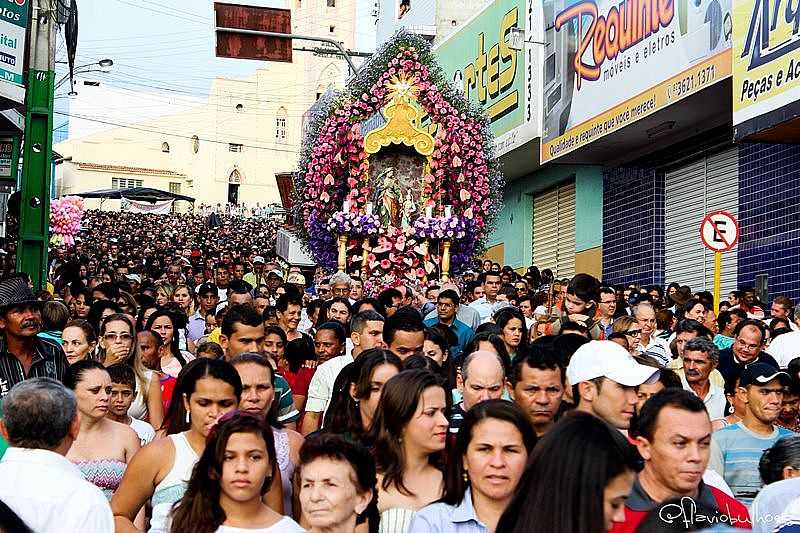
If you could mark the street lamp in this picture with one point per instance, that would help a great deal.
(104, 64)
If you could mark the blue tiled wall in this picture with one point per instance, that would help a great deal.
(633, 226)
(769, 215)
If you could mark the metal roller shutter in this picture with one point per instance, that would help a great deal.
(691, 190)
(554, 230)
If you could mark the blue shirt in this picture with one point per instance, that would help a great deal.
(444, 518)
(735, 453)
(463, 333)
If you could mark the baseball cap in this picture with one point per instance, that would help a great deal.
(296, 278)
(540, 310)
(761, 374)
(206, 288)
(258, 259)
(275, 272)
(608, 359)
(134, 277)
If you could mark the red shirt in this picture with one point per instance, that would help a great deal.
(639, 505)
(298, 381)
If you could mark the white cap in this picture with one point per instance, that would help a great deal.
(134, 277)
(608, 359)
(540, 310)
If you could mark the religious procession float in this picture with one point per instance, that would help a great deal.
(397, 181)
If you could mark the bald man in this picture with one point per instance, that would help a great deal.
(482, 377)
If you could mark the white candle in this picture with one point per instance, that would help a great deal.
(429, 211)
(448, 211)
(369, 208)
(346, 206)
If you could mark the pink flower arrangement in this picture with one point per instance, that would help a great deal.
(65, 219)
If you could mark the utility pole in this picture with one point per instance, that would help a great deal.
(34, 217)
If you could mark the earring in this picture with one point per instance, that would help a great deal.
(466, 478)
(187, 417)
(730, 409)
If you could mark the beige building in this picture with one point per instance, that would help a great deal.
(228, 148)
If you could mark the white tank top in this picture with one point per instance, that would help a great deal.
(172, 487)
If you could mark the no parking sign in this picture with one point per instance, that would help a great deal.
(719, 232)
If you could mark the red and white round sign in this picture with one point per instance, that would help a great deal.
(719, 231)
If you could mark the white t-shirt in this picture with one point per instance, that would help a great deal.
(144, 430)
(321, 386)
(785, 348)
(286, 525)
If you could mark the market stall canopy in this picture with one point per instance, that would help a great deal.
(140, 194)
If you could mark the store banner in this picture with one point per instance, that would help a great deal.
(163, 207)
(610, 63)
(766, 64)
(505, 82)
(13, 25)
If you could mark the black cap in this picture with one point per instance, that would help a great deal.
(207, 287)
(761, 374)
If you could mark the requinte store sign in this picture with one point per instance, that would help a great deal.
(608, 64)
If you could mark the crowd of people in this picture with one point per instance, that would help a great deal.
(166, 386)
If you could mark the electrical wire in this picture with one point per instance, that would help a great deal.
(172, 134)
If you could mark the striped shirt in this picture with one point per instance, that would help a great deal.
(735, 453)
(48, 361)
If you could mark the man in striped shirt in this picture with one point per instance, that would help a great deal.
(736, 449)
(23, 355)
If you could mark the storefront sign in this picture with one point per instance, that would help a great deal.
(13, 24)
(503, 81)
(6, 158)
(766, 63)
(610, 63)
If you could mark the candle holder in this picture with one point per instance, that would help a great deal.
(446, 262)
(342, 263)
(364, 252)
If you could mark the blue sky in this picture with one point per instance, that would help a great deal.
(156, 45)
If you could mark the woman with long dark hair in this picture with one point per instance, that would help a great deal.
(225, 493)
(258, 399)
(576, 481)
(163, 323)
(357, 393)
(511, 322)
(486, 465)
(408, 435)
(206, 390)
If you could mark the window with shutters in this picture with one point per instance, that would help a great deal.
(280, 124)
(235, 147)
(554, 230)
(125, 183)
(710, 183)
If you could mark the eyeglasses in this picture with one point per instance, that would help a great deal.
(113, 337)
(633, 332)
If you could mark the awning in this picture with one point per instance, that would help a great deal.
(141, 194)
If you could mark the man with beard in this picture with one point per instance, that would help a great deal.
(23, 355)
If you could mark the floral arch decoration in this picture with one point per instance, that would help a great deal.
(397, 177)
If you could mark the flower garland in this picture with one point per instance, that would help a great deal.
(440, 228)
(334, 168)
(354, 224)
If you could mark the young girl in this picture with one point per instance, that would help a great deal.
(225, 492)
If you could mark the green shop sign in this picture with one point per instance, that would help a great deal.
(504, 81)
(13, 25)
